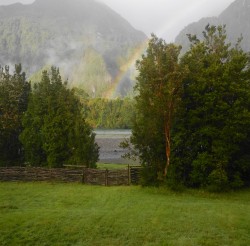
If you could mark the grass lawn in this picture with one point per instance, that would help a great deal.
(111, 166)
(76, 214)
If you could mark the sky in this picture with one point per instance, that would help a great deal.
(165, 18)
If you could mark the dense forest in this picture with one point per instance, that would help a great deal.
(48, 124)
(110, 113)
(192, 125)
(43, 125)
(190, 117)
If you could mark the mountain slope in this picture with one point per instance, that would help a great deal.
(86, 39)
(236, 18)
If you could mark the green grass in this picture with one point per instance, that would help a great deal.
(75, 214)
(111, 166)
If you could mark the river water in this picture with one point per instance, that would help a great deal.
(109, 141)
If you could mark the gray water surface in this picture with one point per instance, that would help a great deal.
(113, 133)
(109, 141)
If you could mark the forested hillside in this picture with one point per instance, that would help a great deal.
(88, 41)
(111, 114)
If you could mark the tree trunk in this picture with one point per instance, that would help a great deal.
(168, 149)
(168, 120)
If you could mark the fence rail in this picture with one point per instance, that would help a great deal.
(106, 177)
(84, 175)
(40, 174)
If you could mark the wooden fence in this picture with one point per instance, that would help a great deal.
(85, 175)
(134, 174)
(40, 174)
(106, 177)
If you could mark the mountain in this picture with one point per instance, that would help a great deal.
(236, 18)
(88, 41)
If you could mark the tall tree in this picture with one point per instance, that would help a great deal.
(14, 92)
(212, 132)
(159, 88)
(55, 131)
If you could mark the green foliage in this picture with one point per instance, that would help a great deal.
(158, 85)
(14, 92)
(110, 113)
(218, 180)
(55, 131)
(211, 137)
(207, 119)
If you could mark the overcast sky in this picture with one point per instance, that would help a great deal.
(166, 18)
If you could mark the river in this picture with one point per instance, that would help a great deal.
(108, 141)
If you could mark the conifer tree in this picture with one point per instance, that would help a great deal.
(211, 137)
(55, 131)
(14, 92)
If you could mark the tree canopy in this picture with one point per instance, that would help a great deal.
(55, 131)
(110, 113)
(212, 131)
(199, 105)
(158, 87)
(14, 93)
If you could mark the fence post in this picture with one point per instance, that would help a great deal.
(83, 176)
(129, 175)
(106, 177)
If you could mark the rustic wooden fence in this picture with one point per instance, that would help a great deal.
(106, 177)
(85, 175)
(40, 174)
(134, 174)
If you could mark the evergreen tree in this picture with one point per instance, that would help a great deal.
(14, 92)
(55, 131)
(211, 137)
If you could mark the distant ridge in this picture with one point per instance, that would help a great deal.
(87, 40)
(236, 18)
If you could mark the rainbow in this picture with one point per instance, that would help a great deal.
(179, 18)
(129, 65)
